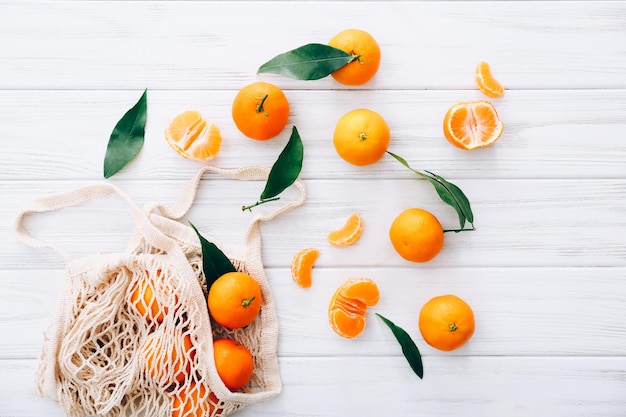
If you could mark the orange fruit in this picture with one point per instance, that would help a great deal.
(446, 322)
(192, 401)
(143, 296)
(362, 45)
(191, 136)
(486, 82)
(235, 300)
(169, 363)
(234, 363)
(260, 110)
(301, 266)
(471, 125)
(349, 233)
(346, 312)
(416, 235)
(361, 137)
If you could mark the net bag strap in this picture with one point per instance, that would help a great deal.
(81, 195)
(249, 173)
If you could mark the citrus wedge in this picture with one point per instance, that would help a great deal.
(349, 233)
(486, 82)
(191, 136)
(471, 125)
(348, 306)
(301, 266)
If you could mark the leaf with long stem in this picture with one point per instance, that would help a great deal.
(127, 138)
(449, 194)
(409, 348)
(214, 262)
(308, 62)
(284, 172)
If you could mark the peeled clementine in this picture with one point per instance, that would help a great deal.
(235, 300)
(346, 312)
(472, 125)
(446, 322)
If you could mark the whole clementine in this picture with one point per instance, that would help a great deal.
(366, 51)
(260, 110)
(416, 235)
(147, 296)
(235, 300)
(361, 137)
(193, 401)
(234, 363)
(169, 363)
(446, 322)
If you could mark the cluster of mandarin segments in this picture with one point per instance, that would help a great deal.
(193, 137)
(446, 322)
(348, 306)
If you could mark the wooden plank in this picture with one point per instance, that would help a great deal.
(519, 311)
(426, 45)
(452, 386)
(520, 223)
(548, 134)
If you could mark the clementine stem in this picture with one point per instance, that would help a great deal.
(258, 203)
(459, 230)
(259, 108)
(453, 327)
(247, 302)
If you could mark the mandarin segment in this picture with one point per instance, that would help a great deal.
(472, 125)
(260, 110)
(193, 137)
(367, 56)
(235, 300)
(486, 82)
(446, 322)
(302, 265)
(234, 363)
(361, 137)
(349, 233)
(348, 306)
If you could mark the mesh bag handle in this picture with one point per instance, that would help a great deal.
(81, 195)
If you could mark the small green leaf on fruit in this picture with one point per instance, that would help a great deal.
(409, 348)
(127, 138)
(308, 62)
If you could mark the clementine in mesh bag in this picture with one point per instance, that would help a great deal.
(110, 352)
(235, 300)
(348, 306)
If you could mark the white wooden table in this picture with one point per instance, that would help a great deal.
(545, 272)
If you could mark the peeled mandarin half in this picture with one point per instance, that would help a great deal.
(302, 265)
(191, 136)
(472, 125)
(486, 82)
(349, 233)
(348, 306)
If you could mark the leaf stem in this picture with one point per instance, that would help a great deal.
(460, 230)
(258, 203)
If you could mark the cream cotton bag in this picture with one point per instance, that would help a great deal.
(132, 335)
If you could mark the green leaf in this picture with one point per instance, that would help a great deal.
(308, 62)
(409, 348)
(127, 138)
(286, 168)
(214, 262)
(448, 192)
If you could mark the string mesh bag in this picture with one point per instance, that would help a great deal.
(132, 335)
